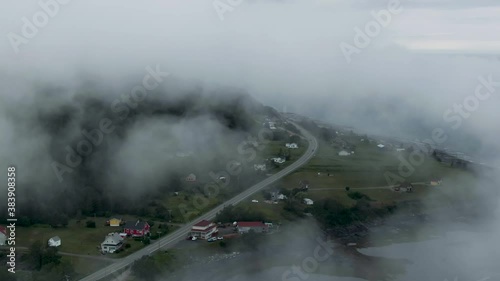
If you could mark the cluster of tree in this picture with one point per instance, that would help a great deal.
(231, 213)
(292, 128)
(163, 229)
(285, 153)
(293, 205)
(266, 194)
(331, 213)
(45, 263)
(356, 195)
(293, 202)
(295, 139)
(41, 255)
(90, 224)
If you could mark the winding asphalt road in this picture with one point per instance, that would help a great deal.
(180, 234)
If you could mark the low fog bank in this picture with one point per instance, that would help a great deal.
(453, 231)
(455, 241)
(287, 54)
(73, 144)
(297, 251)
(459, 255)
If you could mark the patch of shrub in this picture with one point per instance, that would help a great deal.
(90, 224)
(356, 195)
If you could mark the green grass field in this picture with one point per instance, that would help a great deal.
(84, 266)
(367, 167)
(273, 148)
(77, 238)
(364, 171)
(380, 195)
(272, 212)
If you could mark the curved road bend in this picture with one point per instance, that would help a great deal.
(180, 234)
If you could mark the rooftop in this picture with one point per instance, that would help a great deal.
(56, 238)
(135, 225)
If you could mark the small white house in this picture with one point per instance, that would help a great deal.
(292, 145)
(344, 153)
(54, 241)
(259, 167)
(276, 195)
(278, 160)
(308, 201)
(381, 146)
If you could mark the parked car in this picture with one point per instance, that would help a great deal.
(220, 238)
(194, 238)
(212, 239)
(255, 201)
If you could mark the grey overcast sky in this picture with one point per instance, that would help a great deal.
(285, 53)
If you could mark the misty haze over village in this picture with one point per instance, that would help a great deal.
(241, 140)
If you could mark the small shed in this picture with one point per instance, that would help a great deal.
(191, 178)
(344, 153)
(115, 222)
(308, 201)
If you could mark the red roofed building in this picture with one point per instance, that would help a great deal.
(255, 226)
(203, 229)
(136, 228)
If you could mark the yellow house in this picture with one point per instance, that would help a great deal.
(115, 222)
